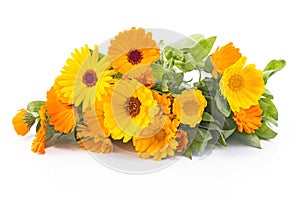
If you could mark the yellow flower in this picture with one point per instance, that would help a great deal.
(248, 120)
(93, 141)
(38, 144)
(160, 145)
(94, 118)
(182, 140)
(86, 83)
(132, 48)
(64, 83)
(23, 121)
(129, 109)
(62, 116)
(142, 74)
(189, 107)
(157, 123)
(242, 86)
(224, 57)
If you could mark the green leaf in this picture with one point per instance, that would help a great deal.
(202, 135)
(250, 139)
(198, 141)
(267, 94)
(269, 109)
(265, 132)
(207, 117)
(189, 153)
(174, 80)
(157, 71)
(35, 106)
(228, 133)
(222, 140)
(273, 67)
(187, 42)
(208, 67)
(222, 105)
(202, 49)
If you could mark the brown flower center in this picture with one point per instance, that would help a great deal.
(236, 82)
(90, 78)
(160, 136)
(190, 107)
(134, 105)
(134, 56)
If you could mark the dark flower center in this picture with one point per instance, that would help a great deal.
(90, 78)
(160, 136)
(134, 56)
(134, 105)
(236, 82)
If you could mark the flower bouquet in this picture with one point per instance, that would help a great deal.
(164, 100)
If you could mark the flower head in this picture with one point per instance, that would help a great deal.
(83, 84)
(248, 120)
(189, 107)
(64, 83)
(242, 86)
(93, 141)
(142, 74)
(61, 115)
(182, 140)
(23, 121)
(224, 57)
(160, 145)
(129, 109)
(94, 119)
(132, 48)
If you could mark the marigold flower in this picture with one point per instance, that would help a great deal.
(248, 120)
(23, 121)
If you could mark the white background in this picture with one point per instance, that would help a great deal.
(36, 37)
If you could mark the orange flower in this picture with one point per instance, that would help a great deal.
(224, 57)
(23, 121)
(132, 48)
(142, 74)
(38, 144)
(160, 145)
(248, 120)
(163, 101)
(93, 141)
(182, 140)
(94, 118)
(62, 116)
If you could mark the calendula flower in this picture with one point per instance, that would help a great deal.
(62, 116)
(160, 145)
(93, 141)
(248, 120)
(159, 120)
(242, 86)
(164, 101)
(132, 48)
(182, 140)
(129, 109)
(23, 121)
(64, 83)
(189, 107)
(38, 144)
(86, 83)
(224, 57)
(142, 74)
(94, 118)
